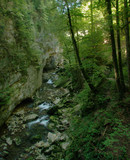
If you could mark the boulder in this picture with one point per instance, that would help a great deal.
(9, 141)
(57, 101)
(54, 137)
(65, 122)
(46, 145)
(41, 157)
(31, 117)
(40, 144)
(20, 112)
(64, 145)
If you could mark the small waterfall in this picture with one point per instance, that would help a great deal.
(49, 81)
(43, 119)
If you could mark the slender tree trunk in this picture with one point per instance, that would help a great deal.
(77, 51)
(127, 37)
(92, 28)
(92, 24)
(119, 48)
(114, 56)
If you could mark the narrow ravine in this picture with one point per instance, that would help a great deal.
(28, 133)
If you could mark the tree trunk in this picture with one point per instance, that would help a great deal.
(119, 48)
(127, 37)
(92, 24)
(77, 51)
(114, 56)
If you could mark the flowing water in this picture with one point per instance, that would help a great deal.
(27, 125)
(49, 81)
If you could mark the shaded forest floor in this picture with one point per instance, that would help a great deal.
(100, 127)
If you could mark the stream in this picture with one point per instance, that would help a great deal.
(29, 133)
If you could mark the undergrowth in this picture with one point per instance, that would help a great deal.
(100, 131)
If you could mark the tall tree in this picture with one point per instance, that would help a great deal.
(92, 23)
(127, 37)
(119, 47)
(114, 56)
(77, 50)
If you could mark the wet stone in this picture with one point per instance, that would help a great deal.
(57, 101)
(53, 137)
(41, 157)
(31, 117)
(9, 141)
(46, 145)
(39, 144)
(20, 113)
(31, 132)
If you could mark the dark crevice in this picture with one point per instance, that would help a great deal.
(27, 101)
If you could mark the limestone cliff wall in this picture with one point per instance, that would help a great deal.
(24, 52)
(22, 88)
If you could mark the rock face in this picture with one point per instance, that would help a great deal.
(21, 91)
(22, 88)
(24, 52)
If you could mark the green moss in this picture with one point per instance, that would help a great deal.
(5, 96)
(20, 51)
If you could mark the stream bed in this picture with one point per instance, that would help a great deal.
(29, 133)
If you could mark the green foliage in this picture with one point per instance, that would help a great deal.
(30, 158)
(100, 135)
(62, 81)
(35, 138)
(89, 101)
(100, 130)
(18, 46)
(36, 4)
(70, 77)
(4, 96)
(74, 74)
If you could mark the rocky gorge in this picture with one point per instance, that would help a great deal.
(29, 56)
(25, 50)
(23, 87)
(36, 129)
